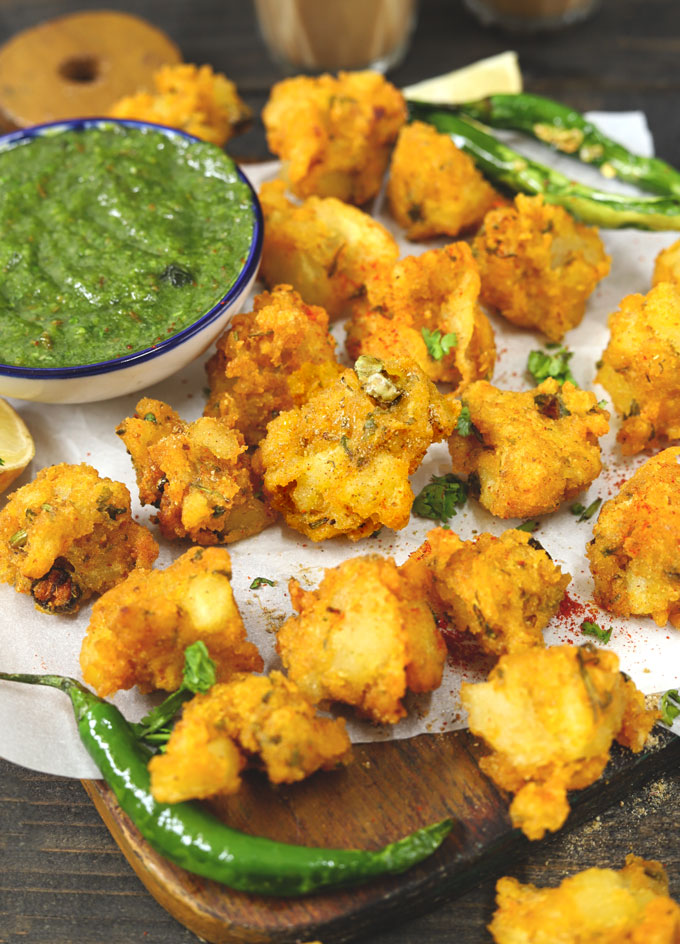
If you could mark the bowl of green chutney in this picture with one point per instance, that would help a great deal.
(125, 248)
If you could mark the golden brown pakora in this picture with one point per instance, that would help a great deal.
(363, 637)
(549, 717)
(139, 630)
(271, 359)
(525, 453)
(340, 463)
(597, 906)
(434, 188)
(667, 265)
(427, 308)
(634, 552)
(334, 134)
(248, 719)
(68, 535)
(640, 368)
(538, 265)
(327, 250)
(503, 589)
(197, 474)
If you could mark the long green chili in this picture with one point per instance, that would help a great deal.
(192, 838)
(508, 168)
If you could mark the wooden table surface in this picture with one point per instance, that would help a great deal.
(62, 878)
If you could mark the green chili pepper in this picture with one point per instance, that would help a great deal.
(568, 131)
(195, 840)
(511, 169)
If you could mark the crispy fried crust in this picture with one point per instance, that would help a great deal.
(434, 189)
(640, 367)
(250, 718)
(334, 134)
(68, 535)
(634, 552)
(139, 630)
(503, 589)
(340, 463)
(197, 474)
(270, 360)
(327, 250)
(667, 265)
(549, 717)
(538, 265)
(528, 452)
(363, 637)
(437, 291)
(597, 906)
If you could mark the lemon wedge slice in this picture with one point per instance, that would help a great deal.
(499, 73)
(16, 445)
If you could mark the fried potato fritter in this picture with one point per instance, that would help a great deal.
(139, 630)
(68, 535)
(334, 134)
(327, 250)
(528, 452)
(270, 360)
(434, 188)
(550, 716)
(503, 589)
(337, 649)
(538, 265)
(340, 463)
(233, 725)
(634, 552)
(640, 368)
(597, 906)
(434, 295)
(667, 265)
(197, 474)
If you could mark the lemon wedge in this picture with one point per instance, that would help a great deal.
(16, 445)
(499, 73)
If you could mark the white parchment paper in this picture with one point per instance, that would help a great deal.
(36, 725)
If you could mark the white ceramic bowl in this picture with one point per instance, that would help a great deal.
(106, 379)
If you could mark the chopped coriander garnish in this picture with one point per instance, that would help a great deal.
(259, 581)
(577, 508)
(439, 499)
(586, 513)
(670, 706)
(602, 404)
(150, 418)
(438, 346)
(529, 526)
(592, 629)
(542, 365)
(464, 424)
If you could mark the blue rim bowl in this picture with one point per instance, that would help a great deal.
(42, 383)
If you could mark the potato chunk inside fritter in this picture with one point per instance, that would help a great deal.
(68, 535)
(525, 453)
(634, 551)
(538, 265)
(139, 630)
(549, 717)
(340, 463)
(338, 649)
(640, 368)
(334, 134)
(249, 719)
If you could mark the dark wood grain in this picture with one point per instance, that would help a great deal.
(62, 878)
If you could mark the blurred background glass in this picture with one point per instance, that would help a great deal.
(327, 35)
(531, 15)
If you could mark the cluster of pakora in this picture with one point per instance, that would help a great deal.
(288, 430)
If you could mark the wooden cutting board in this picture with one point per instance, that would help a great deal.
(390, 789)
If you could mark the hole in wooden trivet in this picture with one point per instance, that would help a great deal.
(79, 69)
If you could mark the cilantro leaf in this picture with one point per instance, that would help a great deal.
(438, 346)
(542, 365)
(592, 629)
(464, 424)
(529, 526)
(259, 581)
(439, 499)
(670, 706)
(199, 672)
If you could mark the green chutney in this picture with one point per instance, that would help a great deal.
(113, 239)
